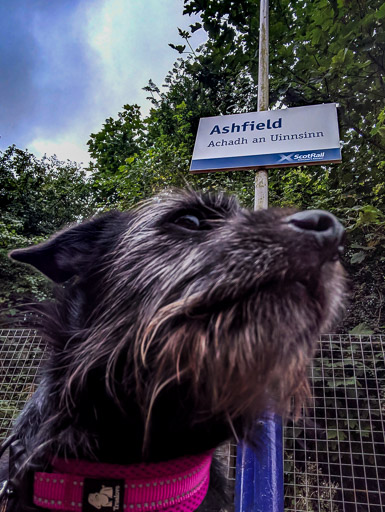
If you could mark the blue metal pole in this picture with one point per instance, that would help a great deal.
(259, 476)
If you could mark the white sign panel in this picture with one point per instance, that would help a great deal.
(273, 138)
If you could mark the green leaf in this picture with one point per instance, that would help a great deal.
(178, 47)
(361, 329)
(196, 26)
(358, 257)
(380, 14)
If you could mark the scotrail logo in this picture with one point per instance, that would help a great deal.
(310, 156)
(286, 158)
(301, 157)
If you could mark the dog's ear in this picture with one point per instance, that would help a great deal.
(74, 250)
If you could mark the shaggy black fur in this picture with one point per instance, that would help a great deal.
(178, 324)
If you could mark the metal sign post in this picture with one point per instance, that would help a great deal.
(259, 477)
(261, 183)
(259, 483)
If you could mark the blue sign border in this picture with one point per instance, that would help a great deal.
(312, 156)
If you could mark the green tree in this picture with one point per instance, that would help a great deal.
(170, 127)
(118, 140)
(37, 197)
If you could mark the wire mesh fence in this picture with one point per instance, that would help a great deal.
(21, 353)
(334, 457)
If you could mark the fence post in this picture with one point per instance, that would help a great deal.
(259, 477)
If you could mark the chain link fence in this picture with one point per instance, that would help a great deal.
(334, 458)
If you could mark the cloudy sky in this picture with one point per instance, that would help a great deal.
(67, 65)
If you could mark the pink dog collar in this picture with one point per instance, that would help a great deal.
(178, 485)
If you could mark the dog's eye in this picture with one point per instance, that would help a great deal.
(188, 222)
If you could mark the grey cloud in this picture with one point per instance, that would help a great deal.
(45, 68)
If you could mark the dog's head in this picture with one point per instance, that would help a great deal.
(194, 298)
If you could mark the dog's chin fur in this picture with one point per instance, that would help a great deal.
(169, 337)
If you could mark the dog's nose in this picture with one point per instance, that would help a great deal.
(321, 225)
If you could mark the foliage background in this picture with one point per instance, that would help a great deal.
(320, 51)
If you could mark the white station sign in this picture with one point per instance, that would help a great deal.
(273, 138)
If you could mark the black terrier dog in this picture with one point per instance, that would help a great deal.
(178, 325)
